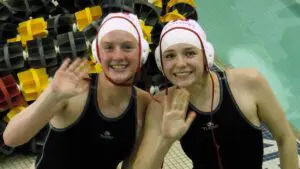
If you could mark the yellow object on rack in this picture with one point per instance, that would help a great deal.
(16, 39)
(94, 66)
(12, 113)
(31, 29)
(174, 15)
(174, 2)
(146, 31)
(157, 3)
(33, 82)
(87, 16)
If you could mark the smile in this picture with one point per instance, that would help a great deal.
(182, 74)
(119, 67)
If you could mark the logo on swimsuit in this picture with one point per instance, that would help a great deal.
(106, 135)
(210, 126)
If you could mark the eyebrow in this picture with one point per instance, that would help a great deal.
(191, 48)
(185, 49)
(109, 42)
(169, 51)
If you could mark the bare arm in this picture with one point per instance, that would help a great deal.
(69, 81)
(153, 147)
(28, 122)
(144, 100)
(271, 112)
(164, 125)
(127, 163)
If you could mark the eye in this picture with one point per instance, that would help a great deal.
(169, 56)
(127, 47)
(190, 53)
(108, 47)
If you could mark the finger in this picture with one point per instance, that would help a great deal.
(166, 103)
(191, 117)
(184, 98)
(82, 66)
(65, 64)
(74, 65)
(175, 100)
(179, 100)
(185, 103)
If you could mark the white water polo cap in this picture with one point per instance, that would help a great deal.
(184, 31)
(121, 21)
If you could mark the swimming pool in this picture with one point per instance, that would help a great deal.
(261, 34)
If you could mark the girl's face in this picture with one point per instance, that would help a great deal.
(183, 64)
(119, 53)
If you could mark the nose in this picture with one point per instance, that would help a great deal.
(118, 54)
(180, 61)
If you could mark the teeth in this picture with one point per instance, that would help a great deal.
(118, 66)
(182, 73)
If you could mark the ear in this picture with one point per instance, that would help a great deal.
(158, 59)
(94, 50)
(144, 51)
(210, 52)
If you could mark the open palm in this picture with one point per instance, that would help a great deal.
(175, 124)
(71, 78)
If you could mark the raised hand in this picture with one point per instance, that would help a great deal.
(71, 78)
(175, 123)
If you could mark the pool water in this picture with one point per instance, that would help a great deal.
(260, 34)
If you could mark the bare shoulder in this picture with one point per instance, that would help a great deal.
(143, 101)
(73, 109)
(162, 94)
(143, 96)
(157, 99)
(157, 104)
(246, 88)
(154, 112)
(249, 79)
